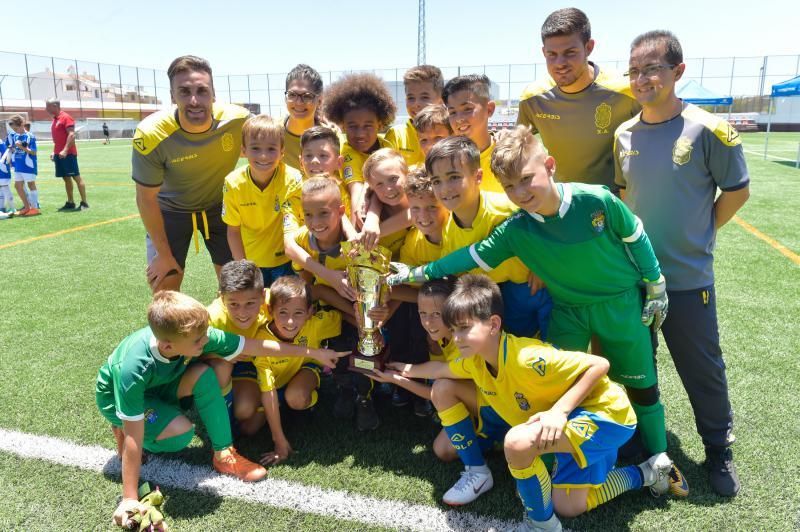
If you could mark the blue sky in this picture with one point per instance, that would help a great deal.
(269, 36)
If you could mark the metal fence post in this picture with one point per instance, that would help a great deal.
(249, 97)
(230, 94)
(28, 83)
(730, 86)
(78, 88)
(138, 92)
(155, 88)
(121, 93)
(100, 82)
(269, 97)
(53, 74)
(702, 69)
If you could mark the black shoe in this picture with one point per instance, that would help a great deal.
(345, 403)
(722, 473)
(366, 416)
(422, 407)
(83, 206)
(68, 206)
(400, 397)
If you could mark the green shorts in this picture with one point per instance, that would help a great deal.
(618, 325)
(161, 406)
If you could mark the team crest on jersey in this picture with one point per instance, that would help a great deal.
(348, 172)
(582, 426)
(602, 118)
(227, 142)
(277, 206)
(523, 403)
(302, 341)
(598, 221)
(150, 415)
(682, 151)
(539, 366)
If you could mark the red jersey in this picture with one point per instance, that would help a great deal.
(58, 128)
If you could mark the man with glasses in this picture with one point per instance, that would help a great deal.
(669, 162)
(578, 107)
(180, 159)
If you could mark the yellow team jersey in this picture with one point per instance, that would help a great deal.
(489, 183)
(352, 171)
(417, 250)
(532, 376)
(291, 146)
(275, 372)
(332, 259)
(394, 241)
(494, 209)
(449, 352)
(219, 318)
(260, 213)
(403, 138)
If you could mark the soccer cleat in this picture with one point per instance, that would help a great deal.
(32, 212)
(366, 416)
(400, 396)
(83, 206)
(722, 473)
(470, 486)
(529, 525)
(68, 206)
(236, 465)
(678, 487)
(655, 473)
(345, 403)
(23, 211)
(6, 215)
(422, 407)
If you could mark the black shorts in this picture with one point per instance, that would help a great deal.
(66, 167)
(183, 228)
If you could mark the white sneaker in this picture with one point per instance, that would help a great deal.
(656, 473)
(472, 484)
(529, 525)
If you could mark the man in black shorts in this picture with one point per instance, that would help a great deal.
(180, 160)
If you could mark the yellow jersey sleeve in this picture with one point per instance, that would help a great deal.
(403, 138)
(489, 182)
(418, 250)
(326, 324)
(463, 368)
(292, 205)
(230, 196)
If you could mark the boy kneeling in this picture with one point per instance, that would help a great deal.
(140, 387)
(540, 400)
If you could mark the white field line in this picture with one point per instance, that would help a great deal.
(769, 154)
(269, 492)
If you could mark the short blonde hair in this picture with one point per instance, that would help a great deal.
(383, 154)
(262, 127)
(426, 74)
(432, 115)
(419, 184)
(321, 184)
(16, 120)
(173, 314)
(513, 148)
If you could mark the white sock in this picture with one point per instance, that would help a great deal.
(6, 197)
(33, 198)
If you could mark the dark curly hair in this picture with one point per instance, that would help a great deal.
(358, 91)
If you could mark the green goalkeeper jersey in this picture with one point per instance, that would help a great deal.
(593, 249)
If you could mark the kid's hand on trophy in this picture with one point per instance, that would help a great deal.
(401, 368)
(328, 357)
(379, 314)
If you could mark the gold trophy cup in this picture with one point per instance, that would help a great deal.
(367, 272)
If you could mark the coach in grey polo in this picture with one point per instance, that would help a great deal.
(669, 162)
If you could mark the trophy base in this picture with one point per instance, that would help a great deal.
(364, 364)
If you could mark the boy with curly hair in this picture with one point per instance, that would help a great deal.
(361, 105)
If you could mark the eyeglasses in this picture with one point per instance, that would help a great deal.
(649, 71)
(305, 97)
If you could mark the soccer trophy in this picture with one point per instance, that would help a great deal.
(367, 272)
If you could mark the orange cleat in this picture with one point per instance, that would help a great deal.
(32, 212)
(230, 462)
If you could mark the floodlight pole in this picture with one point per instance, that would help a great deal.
(769, 123)
(421, 34)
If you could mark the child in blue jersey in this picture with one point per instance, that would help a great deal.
(536, 399)
(22, 145)
(7, 209)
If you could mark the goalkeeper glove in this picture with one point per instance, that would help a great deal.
(656, 303)
(405, 274)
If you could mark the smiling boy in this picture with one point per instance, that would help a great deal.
(257, 197)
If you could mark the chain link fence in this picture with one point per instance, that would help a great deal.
(89, 90)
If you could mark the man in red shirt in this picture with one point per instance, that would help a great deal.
(65, 154)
